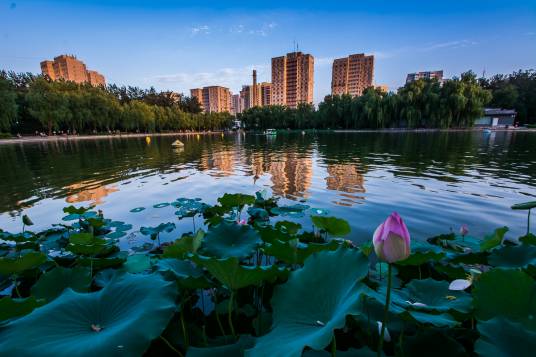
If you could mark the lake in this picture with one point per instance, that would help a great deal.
(435, 180)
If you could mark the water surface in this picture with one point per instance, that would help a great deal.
(436, 181)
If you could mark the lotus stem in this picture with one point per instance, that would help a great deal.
(171, 346)
(17, 288)
(334, 345)
(528, 223)
(184, 331)
(219, 323)
(385, 311)
(230, 313)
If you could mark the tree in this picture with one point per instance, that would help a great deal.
(47, 104)
(8, 105)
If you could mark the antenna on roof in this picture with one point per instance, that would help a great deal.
(484, 73)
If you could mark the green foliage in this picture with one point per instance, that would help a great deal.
(11, 308)
(231, 240)
(501, 337)
(122, 318)
(17, 265)
(51, 284)
(184, 246)
(493, 240)
(299, 322)
(336, 227)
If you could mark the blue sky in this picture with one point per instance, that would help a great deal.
(178, 45)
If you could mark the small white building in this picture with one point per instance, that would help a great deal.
(497, 117)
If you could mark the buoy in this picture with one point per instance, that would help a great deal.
(303, 132)
(198, 136)
(148, 139)
(177, 143)
(222, 135)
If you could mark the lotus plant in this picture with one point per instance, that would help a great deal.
(392, 243)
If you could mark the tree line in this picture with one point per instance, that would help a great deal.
(30, 103)
(420, 104)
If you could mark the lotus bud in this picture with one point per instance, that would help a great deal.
(392, 240)
(464, 230)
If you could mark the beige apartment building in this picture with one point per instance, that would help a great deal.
(256, 94)
(412, 77)
(69, 68)
(292, 79)
(352, 75)
(214, 99)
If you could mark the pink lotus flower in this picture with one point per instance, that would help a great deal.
(392, 240)
(464, 230)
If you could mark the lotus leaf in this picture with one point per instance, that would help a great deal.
(524, 206)
(335, 227)
(155, 231)
(288, 227)
(291, 211)
(528, 239)
(235, 276)
(51, 284)
(299, 322)
(318, 211)
(116, 235)
(161, 205)
(231, 200)
(185, 272)
(291, 253)
(502, 337)
(74, 210)
(137, 263)
(258, 213)
(506, 292)
(513, 256)
(429, 340)
(422, 253)
(494, 239)
(103, 263)
(27, 221)
(184, 246)
(17, 265)
(11, 308)
(123, 318)
(231, 240)
(137, 209)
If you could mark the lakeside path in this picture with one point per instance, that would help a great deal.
(57, 138)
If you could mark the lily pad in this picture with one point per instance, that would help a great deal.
(161, 205)
(513, 256)
(12, 308)
(524, 206)
(288, 227)
(236, 276)
(137, 209)
(494, 239)
(335, 227)
(122, 318)
(51, 284)
(17, 265)
(508, 293)
(231, 240)
(296, 252)
(422, 253)
(502, 337)
(137, 263)
(185, 272)
(299, 322)
(230, 200)
(184, 246)
(296, 210)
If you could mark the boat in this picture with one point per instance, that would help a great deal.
(177, 143)
(270, 132)
(486, 131)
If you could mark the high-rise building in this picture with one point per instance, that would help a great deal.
(69, 68)
(412, 77)
(266, 93)
(256, 94)
(292, 79)
(214, 99)
(352, 75)
(237, 104)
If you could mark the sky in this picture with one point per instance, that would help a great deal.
(178, 45)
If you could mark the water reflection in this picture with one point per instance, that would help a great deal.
(364, 174)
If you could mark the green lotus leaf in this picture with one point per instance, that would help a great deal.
(116, 235)
(71, 217)
(103, 263)
(104, 277)
(27, 221)
(137, 263)
(161, 228)
(494, 239)
(429, 340)
(296, 210)
(121, 319)
(233, 350)
(336, 227)
(422, 253)
(184, 246)
(185, 272)
(258, 213)
(298, 321)
(297, 253)
(231, 240)
(372, 311)
(74, 210)
(268, 234)
(188, 207)
(91, 249)
(84, 238)
(231, 200)
(161, 205)
(508, 293)
(524, 206)
(137, 209)
(431, 295)
(89, 214)
(17, 265)
(528, 239)
(11, 308)
(51, 284)
(288, 227)
(502, 337)
(318, 211)
(513, 256)
(428, 318)
(232, 274)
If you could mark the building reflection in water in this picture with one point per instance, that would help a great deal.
(219, 164)
(347, 179)
(87, 192)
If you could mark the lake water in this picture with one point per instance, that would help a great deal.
(436, 181)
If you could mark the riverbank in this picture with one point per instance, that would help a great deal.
(38, 139)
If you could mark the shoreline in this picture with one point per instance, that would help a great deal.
(39, 139)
